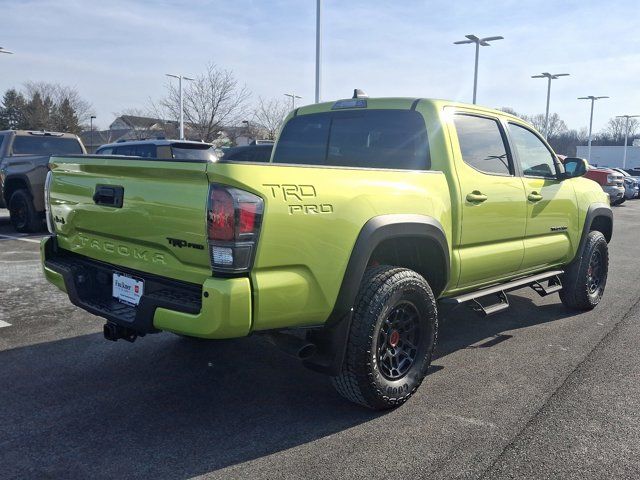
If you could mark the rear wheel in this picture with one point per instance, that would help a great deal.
(24, 216)
(585, 280)
(391, 339)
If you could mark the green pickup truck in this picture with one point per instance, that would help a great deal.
(372, 216)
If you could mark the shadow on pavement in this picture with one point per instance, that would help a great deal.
(168, 407)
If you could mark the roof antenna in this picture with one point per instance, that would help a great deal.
(357, 93)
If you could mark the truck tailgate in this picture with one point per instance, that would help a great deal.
(160, 226)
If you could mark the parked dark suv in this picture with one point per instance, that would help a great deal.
(24, 158)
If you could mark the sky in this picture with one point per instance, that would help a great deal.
(116, 52)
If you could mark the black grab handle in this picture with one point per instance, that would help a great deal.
(109, 195)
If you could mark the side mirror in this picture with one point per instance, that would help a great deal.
(574, 167)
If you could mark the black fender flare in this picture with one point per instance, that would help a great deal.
(332, 338)
(595, 210)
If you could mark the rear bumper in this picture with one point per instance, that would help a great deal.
(220, 308)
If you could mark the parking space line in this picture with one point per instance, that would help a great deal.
(4, 324)
(11, 237)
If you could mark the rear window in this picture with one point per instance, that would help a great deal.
(394, 139)
(193, 151)
(144, 150)
(254, 153)
(45, 145)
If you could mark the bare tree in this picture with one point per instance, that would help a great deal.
(556, 124)
(511, 111)
(212, 101)
(58, 94)
(616, 128)
(269, 115)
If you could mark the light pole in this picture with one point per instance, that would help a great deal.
(626, 137)
(593, 100)
(549, 77)
(318, 48)
(478, 42)
(293, 97)
(91, 130)
(180, 78)
(2, 50)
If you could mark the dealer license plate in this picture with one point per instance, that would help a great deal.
(126, 289)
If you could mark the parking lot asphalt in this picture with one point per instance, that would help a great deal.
(535, 392)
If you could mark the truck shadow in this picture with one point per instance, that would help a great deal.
(168, 407)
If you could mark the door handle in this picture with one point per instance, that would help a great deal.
(476, 197)
(534, 197)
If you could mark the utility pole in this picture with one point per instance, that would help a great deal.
(549, 77)
(484, 42)
(593, 100)
(91, 131)
(293, 97)
(180, 78)
(626, 137)
(318, 48)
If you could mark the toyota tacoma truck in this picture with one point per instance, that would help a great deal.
(24, 158)
(371, 217)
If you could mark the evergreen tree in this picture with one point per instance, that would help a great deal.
(37, 113)
(12, 112)
(64, 118)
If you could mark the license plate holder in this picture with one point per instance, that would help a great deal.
(127, 289)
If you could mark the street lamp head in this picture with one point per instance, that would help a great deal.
(491, 39)
(189, 78)
(2, 50)
(592, 98)
(552, 76)
(480, 41)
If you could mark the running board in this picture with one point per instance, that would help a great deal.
(502, 302)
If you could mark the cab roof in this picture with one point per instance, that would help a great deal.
(400, 103)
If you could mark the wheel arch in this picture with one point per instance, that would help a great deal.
(396, 238)
(381, 239)
(13, 183)
(599, 217)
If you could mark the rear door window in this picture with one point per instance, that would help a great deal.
(45, 145)
(482, 145)
(393, 139)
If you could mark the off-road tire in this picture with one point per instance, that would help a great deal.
(24, 217)
(383, 292)
(578, 290)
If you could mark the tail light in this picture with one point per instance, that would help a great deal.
(234, 218)
(51, 226)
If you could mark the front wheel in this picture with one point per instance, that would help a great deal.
(391, 340)
(585, 279)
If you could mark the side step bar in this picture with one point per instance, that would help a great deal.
(500, 291)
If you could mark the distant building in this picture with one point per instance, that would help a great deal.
(602, 156)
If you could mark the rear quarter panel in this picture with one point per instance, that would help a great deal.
(313, 216)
